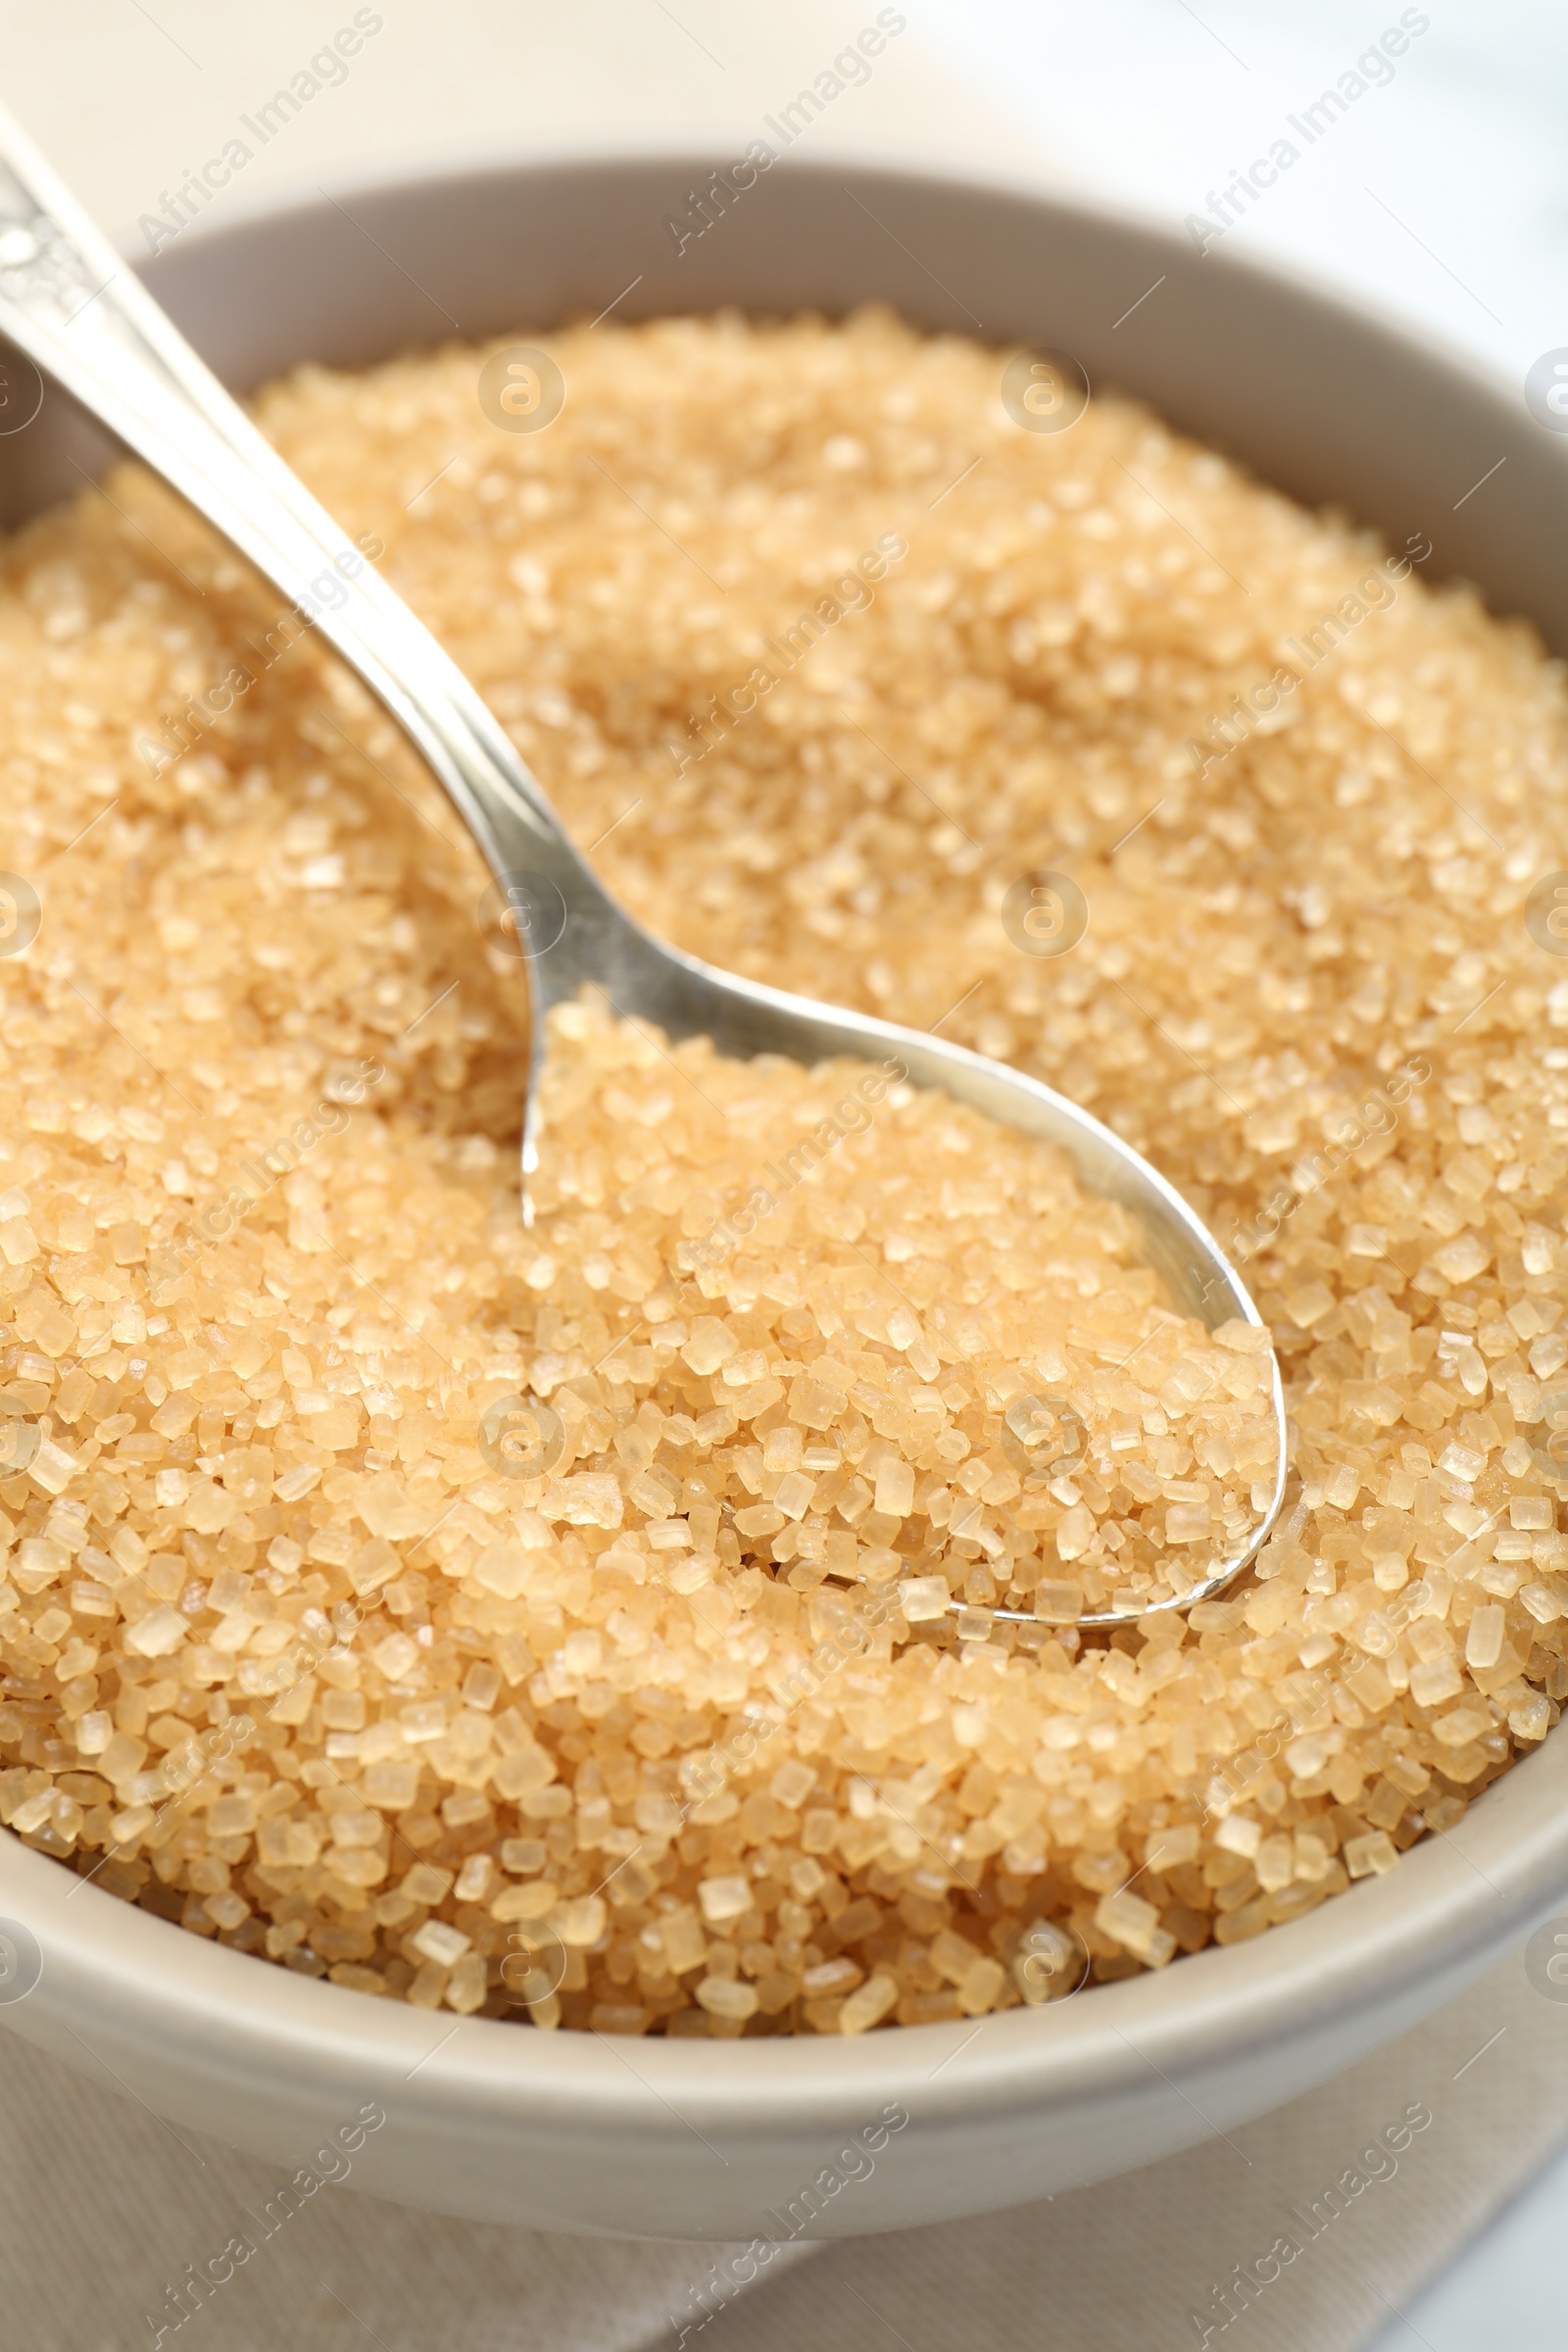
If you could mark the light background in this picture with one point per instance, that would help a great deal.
(1440, 197)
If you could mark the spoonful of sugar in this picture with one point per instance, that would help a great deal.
(1137, 1414)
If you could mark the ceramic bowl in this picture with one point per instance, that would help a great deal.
(720, 2141)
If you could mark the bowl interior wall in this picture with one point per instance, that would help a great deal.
(1311, 395)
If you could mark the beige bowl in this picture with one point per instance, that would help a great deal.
(682, 2140)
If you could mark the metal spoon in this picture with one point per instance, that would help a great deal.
(75, 308)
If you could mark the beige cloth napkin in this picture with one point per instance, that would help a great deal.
(102, 2206)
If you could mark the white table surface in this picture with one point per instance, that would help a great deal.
(1442, 195)
(1505, 2291)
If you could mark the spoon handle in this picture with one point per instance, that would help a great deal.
(77, 309)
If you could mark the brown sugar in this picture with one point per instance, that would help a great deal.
(555, 1621)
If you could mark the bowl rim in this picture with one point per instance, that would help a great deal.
(588, 154)
(147, 1983)
(1370, 1947)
